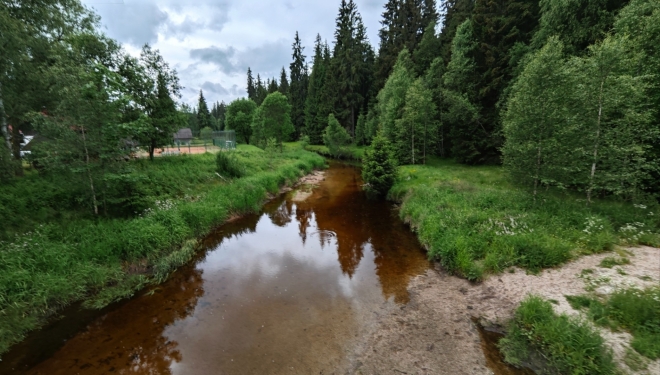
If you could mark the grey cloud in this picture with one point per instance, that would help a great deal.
(219, 56)
(215, 88)
(266, 60)
(136, 23)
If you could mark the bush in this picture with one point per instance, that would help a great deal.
(335, 136)
(228, 165)
(568, 345)
(379, 167)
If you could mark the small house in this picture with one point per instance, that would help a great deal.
(183, 137)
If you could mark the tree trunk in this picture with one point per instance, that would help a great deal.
(593, 165)
(89, 173)
(3, 121)
(16, 147)
(152, 148)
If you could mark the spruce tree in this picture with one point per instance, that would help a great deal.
(316, 111)
(361, 130)
(578, 23)
(272, 86)
(203, 114)
(379, 167)
(261, 91)
(298, 86)
(284, 83)
(455, 13)
(427, 50)
(251, 87)
(350, 69)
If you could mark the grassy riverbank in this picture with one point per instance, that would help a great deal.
(59, 255)
(474, 222)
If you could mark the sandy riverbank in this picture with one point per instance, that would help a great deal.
(434, 333)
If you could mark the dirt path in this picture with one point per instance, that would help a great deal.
(434, 333)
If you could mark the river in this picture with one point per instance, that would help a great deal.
(290, 290)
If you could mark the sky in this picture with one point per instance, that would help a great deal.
(211, 43)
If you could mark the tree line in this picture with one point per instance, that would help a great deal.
(564, 94)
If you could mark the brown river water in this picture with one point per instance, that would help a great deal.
(291, 290)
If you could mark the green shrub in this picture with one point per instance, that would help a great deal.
(568, 345)
(379, 167)
(228, 165)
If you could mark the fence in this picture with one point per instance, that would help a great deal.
(225, 139)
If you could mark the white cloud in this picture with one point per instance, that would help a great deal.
(211, 43)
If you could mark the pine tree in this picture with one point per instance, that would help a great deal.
(261, 91)
(284, 83)
(203, 115)
(404, 24)
(298, 86)
(578, 23)
(455, 13)
(251, 87)
(272, 86)
(427, 50)
(417, 129)
(350, 70)
(316, 112)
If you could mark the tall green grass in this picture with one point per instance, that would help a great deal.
(474, 222)
(637, 311)
(563, 345)
(56, 262)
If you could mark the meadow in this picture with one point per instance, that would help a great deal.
(54, 253)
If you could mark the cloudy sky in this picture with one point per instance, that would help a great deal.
(211, 43)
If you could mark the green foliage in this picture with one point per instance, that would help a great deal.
(535, 118)
(637, 311)
(204, 119)
(361, 130)
(298, 86)
(392, 98)
(416, 131)
(55, 262)
(317, 106)
(228, 165)
(610, 262)
(335, 136)
(379, 167)
(206, 133)
(273, 120)
(474, 222)
(240, 114)
(569, 345)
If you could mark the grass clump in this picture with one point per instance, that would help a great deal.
(472, 220)
(637, 311)
(228, 164)
(569, 346)
(49, 262)
(610, 262)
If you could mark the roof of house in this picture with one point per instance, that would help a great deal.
(184, 133)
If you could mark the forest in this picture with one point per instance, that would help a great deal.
(479, 118)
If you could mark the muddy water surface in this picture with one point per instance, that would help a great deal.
(290, 290)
